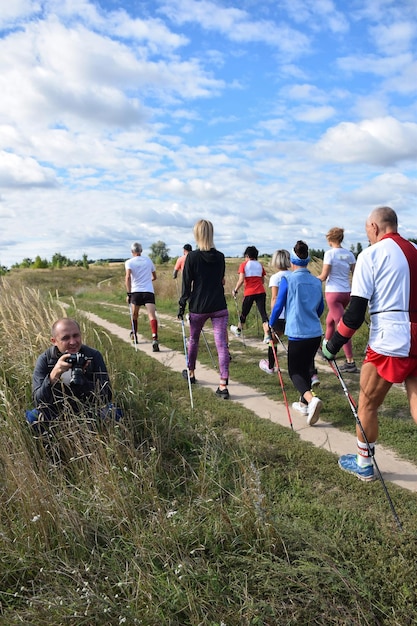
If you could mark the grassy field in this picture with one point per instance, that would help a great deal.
(179, 517)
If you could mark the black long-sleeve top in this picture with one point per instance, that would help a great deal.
(202, 281)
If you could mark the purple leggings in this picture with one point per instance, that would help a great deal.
(337, 302)
(219, 320)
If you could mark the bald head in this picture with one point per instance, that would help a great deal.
(381, 221)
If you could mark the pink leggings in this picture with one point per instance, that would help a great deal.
(337, 302)
(219, 321)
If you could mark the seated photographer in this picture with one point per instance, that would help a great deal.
(69, 376)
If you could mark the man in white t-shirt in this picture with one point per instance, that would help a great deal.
(385, 279)
(140, 274)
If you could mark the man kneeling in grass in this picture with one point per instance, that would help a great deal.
(69, 376)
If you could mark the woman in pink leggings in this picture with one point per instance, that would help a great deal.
(338, 265)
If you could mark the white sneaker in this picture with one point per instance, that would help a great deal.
(263, 364)
(236, 331)
(313, 411)
(300, 407)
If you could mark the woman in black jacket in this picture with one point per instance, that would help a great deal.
(203, 288)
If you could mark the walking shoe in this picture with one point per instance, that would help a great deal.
(155, 345)
(222, 393)
(133, 336)
(185, 375)
(235, 331)
(300, 407)
(348, 463)
(263, 364)
(267, 339)
(313, 410)
(315, 381)
(349, 368)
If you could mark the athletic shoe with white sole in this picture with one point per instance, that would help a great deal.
(348, 463)
(300, 407)
(313, 410)
(155, 345)
(235, 331)
(315, 381)
(263, 364)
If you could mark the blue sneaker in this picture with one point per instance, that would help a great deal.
(348, 463)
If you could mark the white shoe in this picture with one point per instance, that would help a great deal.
(263, 364)
(300, 407)
(313, 411)
(236, 331)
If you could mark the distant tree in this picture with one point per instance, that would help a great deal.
(3, 270)
(159, 252)
(356, 250)
(59, 260)
(26, 262)
(85, 262)
(318, 254)
(39, 264)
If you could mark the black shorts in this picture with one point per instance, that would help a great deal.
(139, 298)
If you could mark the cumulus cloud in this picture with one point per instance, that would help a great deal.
(383, 141)
(16, 171)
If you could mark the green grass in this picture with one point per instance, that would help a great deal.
(184, 518)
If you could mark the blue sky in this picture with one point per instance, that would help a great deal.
(126, 121)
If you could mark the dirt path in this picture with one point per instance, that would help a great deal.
(322, 435)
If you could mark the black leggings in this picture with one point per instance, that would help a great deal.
(301, 361)
(260, 299)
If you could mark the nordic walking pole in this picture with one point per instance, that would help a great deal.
(135, 340)
(371, 452)
(208, 349)
(186, 362)
(282, 344)
(281, 382)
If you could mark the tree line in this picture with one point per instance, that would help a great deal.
(159, 253)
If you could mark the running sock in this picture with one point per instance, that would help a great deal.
(154, 328)
(363, 458)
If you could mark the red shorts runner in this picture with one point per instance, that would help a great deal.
(394, 369)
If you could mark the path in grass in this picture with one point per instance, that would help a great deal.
(322, 435)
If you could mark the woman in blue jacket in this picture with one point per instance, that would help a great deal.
(302, 296)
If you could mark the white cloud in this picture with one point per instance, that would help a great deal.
(238, 25)
(394, 38)
(384, 141)
(317, 15)
(19, 172)
(313, 115)
(12, 11)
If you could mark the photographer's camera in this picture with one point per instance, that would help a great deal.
(78, 361)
